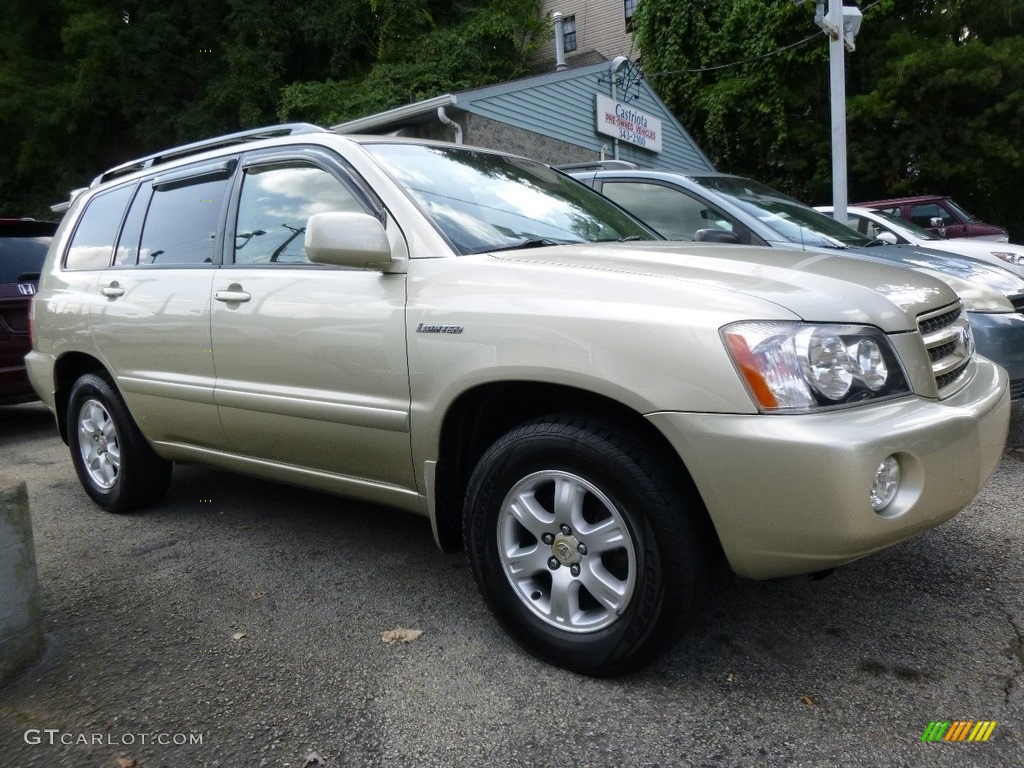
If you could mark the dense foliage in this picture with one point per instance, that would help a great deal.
(86, 84)
(935, 95)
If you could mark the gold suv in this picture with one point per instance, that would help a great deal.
(592, 412)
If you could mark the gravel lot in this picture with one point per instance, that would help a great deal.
(249, 615)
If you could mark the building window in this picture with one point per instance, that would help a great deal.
(630, 8)
(569, 34)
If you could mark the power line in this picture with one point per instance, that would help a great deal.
(776, 52)
(734, 63)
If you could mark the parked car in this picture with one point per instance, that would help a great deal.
(23, 244)
(879, 225)
(474, 337)
(938, 214)
(719, 207)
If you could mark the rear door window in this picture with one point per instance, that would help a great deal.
(182, 222)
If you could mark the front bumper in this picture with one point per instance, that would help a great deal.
(790, 494)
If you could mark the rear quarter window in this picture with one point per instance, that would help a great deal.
(92, 245)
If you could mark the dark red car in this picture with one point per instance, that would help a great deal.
(23, 245)
(924, 210)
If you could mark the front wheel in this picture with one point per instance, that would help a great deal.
(116, 466)
(582, 543)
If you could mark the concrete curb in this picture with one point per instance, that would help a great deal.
(21, 620)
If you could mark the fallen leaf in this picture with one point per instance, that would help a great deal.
(400, 635)
(238, 635)
(124, 762)
(258, 595)
(313, 759)
(810, 701)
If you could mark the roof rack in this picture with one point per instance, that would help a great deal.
(599, 165)
(176, 153)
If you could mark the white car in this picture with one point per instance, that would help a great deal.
(879, 225)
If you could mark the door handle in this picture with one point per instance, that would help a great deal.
(232, 295)
(113, 290)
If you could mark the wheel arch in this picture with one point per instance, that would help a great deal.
(67, 370)
(479, 416)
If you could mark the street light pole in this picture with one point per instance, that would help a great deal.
(841, 24)
(837, 90)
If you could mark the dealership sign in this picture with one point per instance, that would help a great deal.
(628, 124)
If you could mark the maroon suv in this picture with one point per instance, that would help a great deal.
(923, 210)
(23, 245)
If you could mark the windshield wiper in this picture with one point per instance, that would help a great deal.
(626, 239)
(534, 242)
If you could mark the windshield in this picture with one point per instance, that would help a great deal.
(484, 201)
(905, 224)
(791, 219)
(957, 209)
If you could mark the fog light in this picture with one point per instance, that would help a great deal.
(886, 484)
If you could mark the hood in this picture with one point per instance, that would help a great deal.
(815, 286)
(966, 268)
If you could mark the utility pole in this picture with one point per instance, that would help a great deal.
(841, 24)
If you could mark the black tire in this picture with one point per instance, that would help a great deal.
(117, 467)
(656, 574)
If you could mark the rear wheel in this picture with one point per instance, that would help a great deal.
(582, 544)
(116, 466)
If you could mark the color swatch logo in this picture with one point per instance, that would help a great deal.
(958, 730)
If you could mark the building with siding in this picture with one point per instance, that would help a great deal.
(601, 111)
(593, 30)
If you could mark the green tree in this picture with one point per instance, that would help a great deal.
(935, 95)
(87, 84)
(752, 111)
(937, 105)
(424, 49)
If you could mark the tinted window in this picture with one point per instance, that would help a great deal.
(671, 211)
(93, 243)
(922, 215)
(181, 225)
(128, 246)
(276, 202)
(21, 258)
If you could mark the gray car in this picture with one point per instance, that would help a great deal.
(719, 207)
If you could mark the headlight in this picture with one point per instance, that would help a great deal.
(791, 367)
(1017, 259)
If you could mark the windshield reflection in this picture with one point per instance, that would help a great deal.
(794, 221)
(483, 201)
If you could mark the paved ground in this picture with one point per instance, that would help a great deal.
(249, 615)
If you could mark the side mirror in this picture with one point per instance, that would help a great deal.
(355, 240)
(887, 237)
(715, 235)
(939, 224)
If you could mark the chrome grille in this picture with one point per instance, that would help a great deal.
(937, 321)
(1018, 303)
(950, 345)
(1016, 389)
